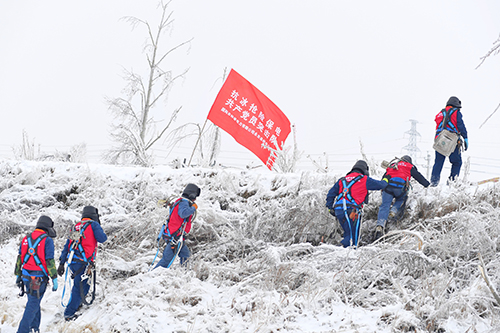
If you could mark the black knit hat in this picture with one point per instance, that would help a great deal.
(45, 223)
(362, 167)
(91, 212)
(406, 158)
(454, 101)
(191, 192)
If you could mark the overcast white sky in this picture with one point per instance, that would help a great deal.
(342, 71)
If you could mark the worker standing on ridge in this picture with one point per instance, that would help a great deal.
(454, 123)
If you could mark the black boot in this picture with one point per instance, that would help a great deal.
(379, 232)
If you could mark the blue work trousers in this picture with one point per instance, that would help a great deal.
(456, 163)
(76, 298)
(168, 256)
(32, 313)
(351, 228)
(385, 208)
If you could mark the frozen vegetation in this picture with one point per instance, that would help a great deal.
(264, 253)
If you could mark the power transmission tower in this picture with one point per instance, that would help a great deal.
(411, 147)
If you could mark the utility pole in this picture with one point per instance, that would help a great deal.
(411, 147)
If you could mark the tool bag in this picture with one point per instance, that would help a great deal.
(446, 141)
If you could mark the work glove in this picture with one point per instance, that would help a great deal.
(331, 211)
(19, 281)
(54, 284)
(60, 269)
(193, 204)
(466, 143)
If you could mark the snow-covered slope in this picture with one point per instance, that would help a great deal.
(264, 254)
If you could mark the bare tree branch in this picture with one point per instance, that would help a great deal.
(173, 49)
(158, 137)
(167, 87)
(482, 269)
(494, 50)
(490, 116)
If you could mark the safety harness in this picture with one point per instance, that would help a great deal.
(345, 201)
(88, 275)
(76, 244)
(33, 252)
(89, 267)
(446, 123)
(175, 240)
(397, 182)
(167, 235)
(34, 281)
(345, 198)
(164, 232)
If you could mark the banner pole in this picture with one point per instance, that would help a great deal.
(199, 137)
(196, 145)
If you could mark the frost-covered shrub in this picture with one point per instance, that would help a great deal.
(267, 244)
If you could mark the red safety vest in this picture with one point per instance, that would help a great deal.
(88, 241)
(453, 119)
(403, 171)
(176, 221)
(358, 189)
(39, 251)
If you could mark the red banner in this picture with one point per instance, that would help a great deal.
(251, 118)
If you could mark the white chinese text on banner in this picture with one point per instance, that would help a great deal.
(251, 118)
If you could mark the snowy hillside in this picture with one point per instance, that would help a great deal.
(264, 254)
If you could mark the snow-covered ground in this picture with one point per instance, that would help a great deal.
(264, 253)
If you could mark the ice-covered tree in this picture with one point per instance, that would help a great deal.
(135, 129)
